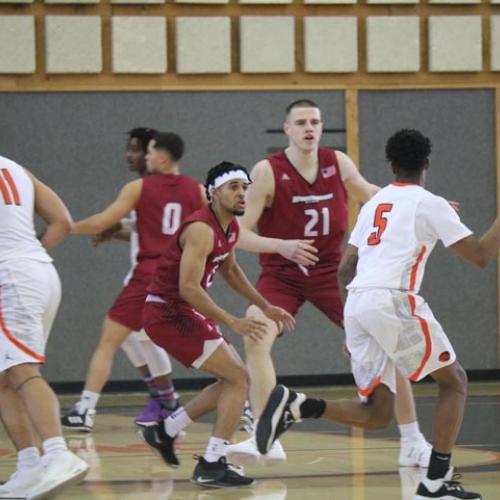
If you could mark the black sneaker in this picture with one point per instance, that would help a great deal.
(218, 474)
(281, 412)
(448, 491)
(78, 421)
(160, 441)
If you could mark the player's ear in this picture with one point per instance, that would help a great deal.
(427, 164)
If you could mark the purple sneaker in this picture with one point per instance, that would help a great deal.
(151, 413)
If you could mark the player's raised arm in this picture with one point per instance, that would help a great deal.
(357, 186)
(259, 195)
(50, 207)
(124, 203)
(482, 251)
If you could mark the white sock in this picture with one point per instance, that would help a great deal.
(410, 432)
(28, 458)
(88, 401)
(176, 422)
(216, 448)
(54, 445)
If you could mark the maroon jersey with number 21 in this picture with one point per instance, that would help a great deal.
(304, 210)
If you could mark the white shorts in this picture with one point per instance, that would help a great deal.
(141, 336)
(30, 292)
(389, 329)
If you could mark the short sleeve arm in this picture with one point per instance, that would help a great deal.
(439, 221)
(355, 237)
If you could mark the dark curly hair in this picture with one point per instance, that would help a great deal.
(143, 135)
(408, 150)
(220, 169)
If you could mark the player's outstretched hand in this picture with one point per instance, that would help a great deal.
(302, 252)
(283, 318)
(248, 327)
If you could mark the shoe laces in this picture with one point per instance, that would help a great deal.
(454, 483)
(453, 486)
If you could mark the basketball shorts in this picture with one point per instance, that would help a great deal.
(289, 287)
(30, 292)
(182, 331)
(127, 308)
(389, 329)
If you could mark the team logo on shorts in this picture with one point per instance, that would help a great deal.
(444, 356)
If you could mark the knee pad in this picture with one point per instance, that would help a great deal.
(133, 349)
(156, 358)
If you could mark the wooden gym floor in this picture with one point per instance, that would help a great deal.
(325, 461)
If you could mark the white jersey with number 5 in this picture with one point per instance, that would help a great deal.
(17, 231)
(395, 234)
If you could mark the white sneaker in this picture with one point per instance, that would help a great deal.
(246, 453)
(21, 481)
(410, 478)
(274, 456)
(61, 471)
(243, 453)
(415, 453)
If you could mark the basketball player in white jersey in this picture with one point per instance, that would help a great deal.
(30, 292)
(388, 325)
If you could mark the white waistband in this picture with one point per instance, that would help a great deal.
(155, 298)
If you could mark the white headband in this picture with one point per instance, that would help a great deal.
(230, 176)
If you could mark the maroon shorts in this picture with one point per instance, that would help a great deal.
(181, 331)
(290, 287)
(127, 308)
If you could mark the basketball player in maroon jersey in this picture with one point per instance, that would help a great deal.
(162, 201)
(180, 316)
(311, 185)
(151, 361)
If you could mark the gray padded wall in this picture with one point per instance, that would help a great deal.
(461, 125)
(75, 142)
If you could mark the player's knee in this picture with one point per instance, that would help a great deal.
(240, 377)
(379, 419)
(455, 379)
(259, 348)
(381, 406)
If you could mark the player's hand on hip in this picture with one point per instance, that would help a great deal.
(282, 318)
(248, 327)
(301, 252)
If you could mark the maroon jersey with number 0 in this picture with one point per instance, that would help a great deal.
(165, 202)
